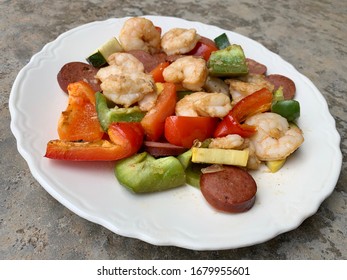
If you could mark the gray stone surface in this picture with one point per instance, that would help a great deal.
(310, 34)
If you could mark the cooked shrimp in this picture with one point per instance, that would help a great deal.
(240, 88)
(214, 84)
(275, 139)
(204, 104)
(126, 62)
(107, 71)
(140, 34)
(231, 141)
(124, 81)
(179, 41)
(148, 101)
(188, 70)
(127, 88)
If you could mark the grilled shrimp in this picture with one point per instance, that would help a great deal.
(240, 88)
(275, 138)
(203, 104)
(231, 141)
(188, 70)
(179, 41)
(127, 88)
(105, 72)
(148, 101)
(140, 34)
(124, 81)
(214, 84)
(126, 62)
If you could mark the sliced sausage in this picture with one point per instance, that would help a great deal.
(149, 61)
(161, 149)
(78, 71)
(254, 67)
(288, 85)
(230, 190)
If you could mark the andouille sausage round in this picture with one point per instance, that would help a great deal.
(78, 71)
(149, 61)
(255, 67)
(160, 149)
(230, 190)
(287, 84)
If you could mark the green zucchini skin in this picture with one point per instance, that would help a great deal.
(228, 62)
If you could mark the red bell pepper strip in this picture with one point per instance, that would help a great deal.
(182, 130)
(157, 72)
(257, 102)
(204, 47)
(153, 122)
(126, 140)
(128, 135)
(231, 126)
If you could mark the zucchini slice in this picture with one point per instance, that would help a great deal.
(222, 41)
(99, 57)
(220, 156)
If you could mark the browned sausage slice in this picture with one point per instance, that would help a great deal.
(230, 190)
(288, 85)
(78, 71)
(148, 60)
(161, 149)
(254, 67)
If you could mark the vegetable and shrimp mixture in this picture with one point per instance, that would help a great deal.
(177, 108)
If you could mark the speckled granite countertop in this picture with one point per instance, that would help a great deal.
(310, 34)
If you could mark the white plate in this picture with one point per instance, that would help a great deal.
(179, 217)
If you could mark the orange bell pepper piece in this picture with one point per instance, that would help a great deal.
(79, 122)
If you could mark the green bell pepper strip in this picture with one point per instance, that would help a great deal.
(142, 173)
(185, 158)
(192, 170)
(108, 115)
(193, 174)
(222, 41)
(289, 109)
(228, 62)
